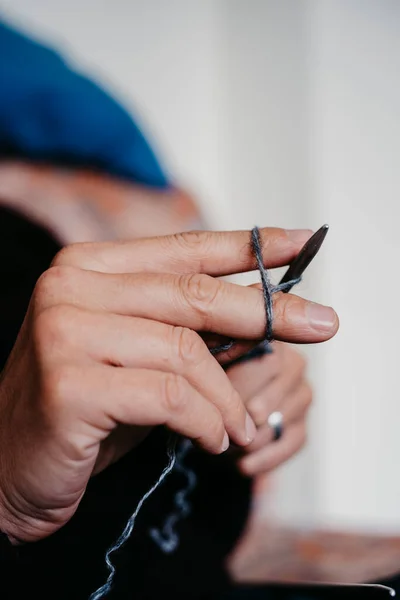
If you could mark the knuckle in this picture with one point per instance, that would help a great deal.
(66, 256)
(58, 387)
(195, 245)
(54, 284)
(286, 311)
(175, 394)
(282, 307)
(91, 256)
(188, 345)
(259, 412)
(54, 327)
(192, 240)
(200, 293)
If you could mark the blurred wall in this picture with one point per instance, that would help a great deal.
(283, 112)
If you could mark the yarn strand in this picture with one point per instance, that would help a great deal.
(102, 591)
(268, 290)
(167, 538)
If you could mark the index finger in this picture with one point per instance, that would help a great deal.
(213, 253)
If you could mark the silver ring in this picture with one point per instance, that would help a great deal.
(275, 421)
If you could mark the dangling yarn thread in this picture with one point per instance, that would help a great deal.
(102, 591)
(167, 538)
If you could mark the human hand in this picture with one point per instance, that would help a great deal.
(109, 349)
(77, 205)
(274, 382)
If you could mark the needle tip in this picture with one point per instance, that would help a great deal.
(322, 231)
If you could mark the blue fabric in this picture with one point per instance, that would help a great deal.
(50, 113)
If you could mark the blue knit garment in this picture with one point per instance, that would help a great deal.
(50, 113)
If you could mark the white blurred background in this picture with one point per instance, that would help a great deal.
(282, 112)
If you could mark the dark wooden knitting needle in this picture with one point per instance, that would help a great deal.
(305, 256)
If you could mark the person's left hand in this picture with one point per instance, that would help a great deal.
(274, 382)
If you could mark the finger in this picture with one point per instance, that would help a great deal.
(251, 378)
(198, 302)
(273, 396)
(102, 397)
(272, 456)
(294, 409)
(140, 343)
(215, 253)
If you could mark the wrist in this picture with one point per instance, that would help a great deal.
(8, 526)
(7, 531)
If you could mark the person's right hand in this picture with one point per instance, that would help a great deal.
(109, 349)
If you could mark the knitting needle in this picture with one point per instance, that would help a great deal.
(305, 256)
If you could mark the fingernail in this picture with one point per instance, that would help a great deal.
(299, 236)
(251, 429)
(225, 443)
(321, 317)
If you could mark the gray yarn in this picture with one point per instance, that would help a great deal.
(167, 538)
(268, 289)
(102, 591)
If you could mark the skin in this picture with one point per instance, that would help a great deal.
(112, 345)
(275, 382)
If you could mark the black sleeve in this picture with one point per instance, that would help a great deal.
(26, 250)
(8, 552)
(9, 587)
